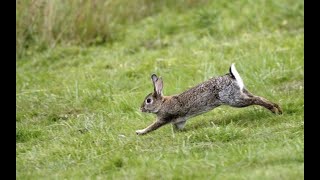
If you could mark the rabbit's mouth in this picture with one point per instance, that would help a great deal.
(142, 109)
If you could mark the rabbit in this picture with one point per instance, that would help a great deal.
(223, 90)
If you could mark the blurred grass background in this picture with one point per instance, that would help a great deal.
(42, 24)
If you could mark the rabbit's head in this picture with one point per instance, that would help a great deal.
(152, 102)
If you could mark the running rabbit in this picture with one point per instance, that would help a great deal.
(224, 90)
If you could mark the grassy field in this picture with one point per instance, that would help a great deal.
(77, 107)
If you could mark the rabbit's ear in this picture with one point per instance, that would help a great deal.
(157, 84)
(154, 78)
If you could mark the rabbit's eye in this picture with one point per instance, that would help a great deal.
(148, 100)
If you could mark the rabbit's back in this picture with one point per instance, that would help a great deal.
(201, 98)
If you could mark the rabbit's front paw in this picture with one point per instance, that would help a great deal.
(140, 132)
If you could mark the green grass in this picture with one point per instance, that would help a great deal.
(42, 25)
(77, 108)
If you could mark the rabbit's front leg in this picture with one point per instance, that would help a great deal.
(152, 127)
(179, 123)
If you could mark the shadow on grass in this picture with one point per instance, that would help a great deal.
(243, 119)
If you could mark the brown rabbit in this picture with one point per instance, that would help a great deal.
(224, 90)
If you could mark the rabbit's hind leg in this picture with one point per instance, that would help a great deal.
(258, 100)
(247, 99)
(273, 107)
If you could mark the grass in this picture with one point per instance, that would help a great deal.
(77, 107)
(42, 25)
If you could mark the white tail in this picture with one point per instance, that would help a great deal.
(237, 76)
